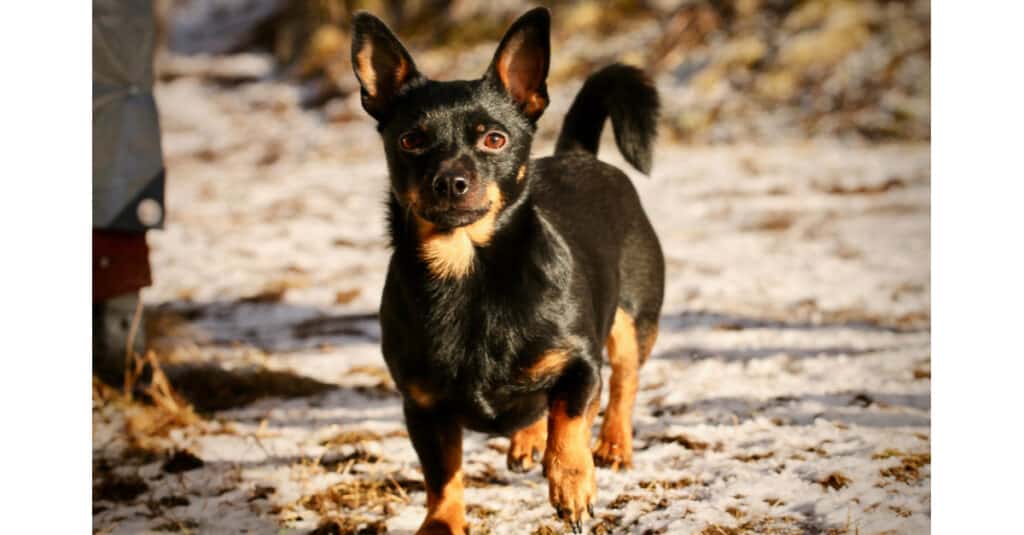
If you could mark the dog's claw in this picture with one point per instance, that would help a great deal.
(577, 526)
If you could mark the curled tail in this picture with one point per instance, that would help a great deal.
(627, 95)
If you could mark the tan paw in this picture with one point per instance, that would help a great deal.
(526, 447)
(614, 454)
(438, 526)
(572, 489)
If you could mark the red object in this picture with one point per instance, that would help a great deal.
(120, 263)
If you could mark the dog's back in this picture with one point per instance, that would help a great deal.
(595, 206)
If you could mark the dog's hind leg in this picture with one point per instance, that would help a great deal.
(629, 345)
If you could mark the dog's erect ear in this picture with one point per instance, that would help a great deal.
(382, 65)
(520, 66)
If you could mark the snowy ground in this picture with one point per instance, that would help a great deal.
(789, 391)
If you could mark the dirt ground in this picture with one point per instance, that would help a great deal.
(789, 391)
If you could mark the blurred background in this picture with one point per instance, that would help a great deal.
(729, 71)
(789, 391)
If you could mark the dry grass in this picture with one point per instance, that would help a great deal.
(485, 478)
(835, 481)
(606, 525)
(163, 408)
(360, 494)
(754, 457)
(785, 525)
(360, 436)
(770, 222)
(686, 442)
(350, 525)
(653, 484)
(909, 469)
(344, 297)
(868, 189)
(622, 500)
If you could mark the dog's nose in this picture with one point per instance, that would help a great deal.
(450, 186)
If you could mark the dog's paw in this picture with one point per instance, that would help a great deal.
(442, 527)
(523, 461)
(613, 454)
(526, 447)
(572, 490)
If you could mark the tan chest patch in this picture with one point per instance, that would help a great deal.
(449, 255)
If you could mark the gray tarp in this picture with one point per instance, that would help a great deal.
(127, 163)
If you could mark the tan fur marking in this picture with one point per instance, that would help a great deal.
(449, 255)
(567, 460)
(647, 342)
(535, 104)
(615, 446)
(421, 396)
(548, 364)
(521, 174)
(446, 511)
(364, 64)
(527, 441)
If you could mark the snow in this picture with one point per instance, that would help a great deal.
(794, 345)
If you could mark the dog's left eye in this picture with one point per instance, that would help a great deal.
(493, 141)
(412, 141)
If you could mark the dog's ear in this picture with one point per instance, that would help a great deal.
(520, 66)
(382, 65)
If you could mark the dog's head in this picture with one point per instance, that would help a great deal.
(453, 148)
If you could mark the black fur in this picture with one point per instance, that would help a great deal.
(571, 242)
(627, 95)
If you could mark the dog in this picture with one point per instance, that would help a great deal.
(509, 274)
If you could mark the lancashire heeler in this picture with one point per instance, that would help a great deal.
(509, 275)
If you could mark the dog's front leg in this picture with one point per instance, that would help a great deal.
(568, 463)
(438, 443)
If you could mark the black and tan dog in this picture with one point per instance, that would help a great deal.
(509, 275)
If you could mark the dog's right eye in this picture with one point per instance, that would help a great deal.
(412, 141)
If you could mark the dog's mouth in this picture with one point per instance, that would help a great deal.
(451, 218)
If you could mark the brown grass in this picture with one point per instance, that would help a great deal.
(359, 494)
(485, 478)
(653, 484)
(785, 525)
(606, 525)
(350, 525)
(622, 500)
(909, 469)
(770, 222)
(754, 457)
(344, 297)
(835, 481)
(163, 410)
(871, 189)
(359, 436)
(686, 442)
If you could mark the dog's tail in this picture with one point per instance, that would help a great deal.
(630, 98)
